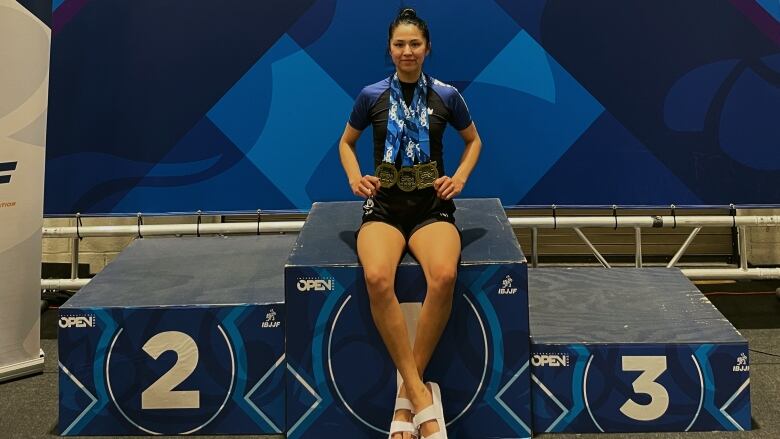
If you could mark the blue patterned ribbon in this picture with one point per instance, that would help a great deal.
(407, 126)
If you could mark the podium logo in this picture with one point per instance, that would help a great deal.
(742, 364)
(308, 284)
(5, 171)
(552, 360)
(270, 320)
(506, 286)
(77, 322)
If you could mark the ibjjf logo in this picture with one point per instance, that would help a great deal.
(506, 286)
(552, 360)
(742, 364)
(83, 321)
(5, 171)
(270, 320)
(308, 284)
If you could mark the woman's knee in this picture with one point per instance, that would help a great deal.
(441, 279)
(379, 282)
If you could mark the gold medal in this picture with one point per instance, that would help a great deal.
(426, 174)
(387, 174)
(407, 179)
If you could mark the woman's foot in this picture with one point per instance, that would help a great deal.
(422, 399)
(403, 415)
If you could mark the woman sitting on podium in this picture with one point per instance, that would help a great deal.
(409, 203)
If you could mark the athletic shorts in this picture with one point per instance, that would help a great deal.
(408, 212)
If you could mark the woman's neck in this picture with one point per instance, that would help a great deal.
(409, 77)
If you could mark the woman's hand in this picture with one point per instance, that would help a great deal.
(366, 187)
(448, 188)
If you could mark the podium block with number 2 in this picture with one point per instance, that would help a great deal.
(178, 336)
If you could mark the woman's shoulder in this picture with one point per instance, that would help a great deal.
(375, 89)
(443, 89)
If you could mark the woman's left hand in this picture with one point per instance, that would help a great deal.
(448, 187)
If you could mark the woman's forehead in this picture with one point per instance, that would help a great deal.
(407, 31)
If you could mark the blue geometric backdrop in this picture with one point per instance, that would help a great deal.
(158, 106)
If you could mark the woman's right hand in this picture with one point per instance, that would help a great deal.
(366, 187)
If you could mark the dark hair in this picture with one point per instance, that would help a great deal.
(409, 16)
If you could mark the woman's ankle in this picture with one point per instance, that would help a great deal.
(418, 393)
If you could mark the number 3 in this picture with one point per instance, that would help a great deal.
(160, 395)
(651, 367)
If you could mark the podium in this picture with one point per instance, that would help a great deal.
(178, 336)
(632, 350)
(342, 382)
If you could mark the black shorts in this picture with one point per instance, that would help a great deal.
(408, 212)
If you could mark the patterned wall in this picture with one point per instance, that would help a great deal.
(238, 105)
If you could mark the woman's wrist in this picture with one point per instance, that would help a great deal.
(459, 177)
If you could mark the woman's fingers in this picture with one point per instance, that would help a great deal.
(367, 189)
(367, 186)
(444, 186)
(374, 181)
(450, 192)
(438, 182)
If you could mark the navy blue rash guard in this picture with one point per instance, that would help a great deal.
(372, 107)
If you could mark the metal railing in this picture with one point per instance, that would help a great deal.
(534, 223)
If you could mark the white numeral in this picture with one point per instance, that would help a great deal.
(160, 395)
(651, 367)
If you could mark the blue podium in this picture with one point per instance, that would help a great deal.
(630, 350)
(341, 381)
(178, 336)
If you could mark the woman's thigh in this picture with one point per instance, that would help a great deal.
(436, 247)
(380, 247)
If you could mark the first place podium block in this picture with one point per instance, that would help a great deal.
(630, 350)
(178, 336)
(342, 382)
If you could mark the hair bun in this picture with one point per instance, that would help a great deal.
(407, 13)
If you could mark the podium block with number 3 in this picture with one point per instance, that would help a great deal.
(628, 350)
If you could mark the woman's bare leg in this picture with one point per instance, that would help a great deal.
(437, 248)
(380, 247)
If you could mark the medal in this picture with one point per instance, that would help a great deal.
(387, 174)
(426, 174)
(407, 179)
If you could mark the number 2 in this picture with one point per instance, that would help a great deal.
(651, 367)
(160, 395)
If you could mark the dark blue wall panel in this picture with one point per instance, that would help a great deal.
(239, 105)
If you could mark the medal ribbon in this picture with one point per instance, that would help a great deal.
(407, 126)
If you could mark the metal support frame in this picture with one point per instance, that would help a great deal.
(638, 241)
(742, 237)
(683, 247)
(534, 223)
(74, 259)
(592, 248)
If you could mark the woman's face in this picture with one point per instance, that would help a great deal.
(408, 48)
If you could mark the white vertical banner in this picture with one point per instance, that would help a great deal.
(24, 83)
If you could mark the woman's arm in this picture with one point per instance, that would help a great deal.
(446, 187)
(362, 186)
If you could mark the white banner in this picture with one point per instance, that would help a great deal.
(24, 82)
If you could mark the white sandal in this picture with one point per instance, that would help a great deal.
(402, 426)
(434, 412)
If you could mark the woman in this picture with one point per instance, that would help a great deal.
(409, 203)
